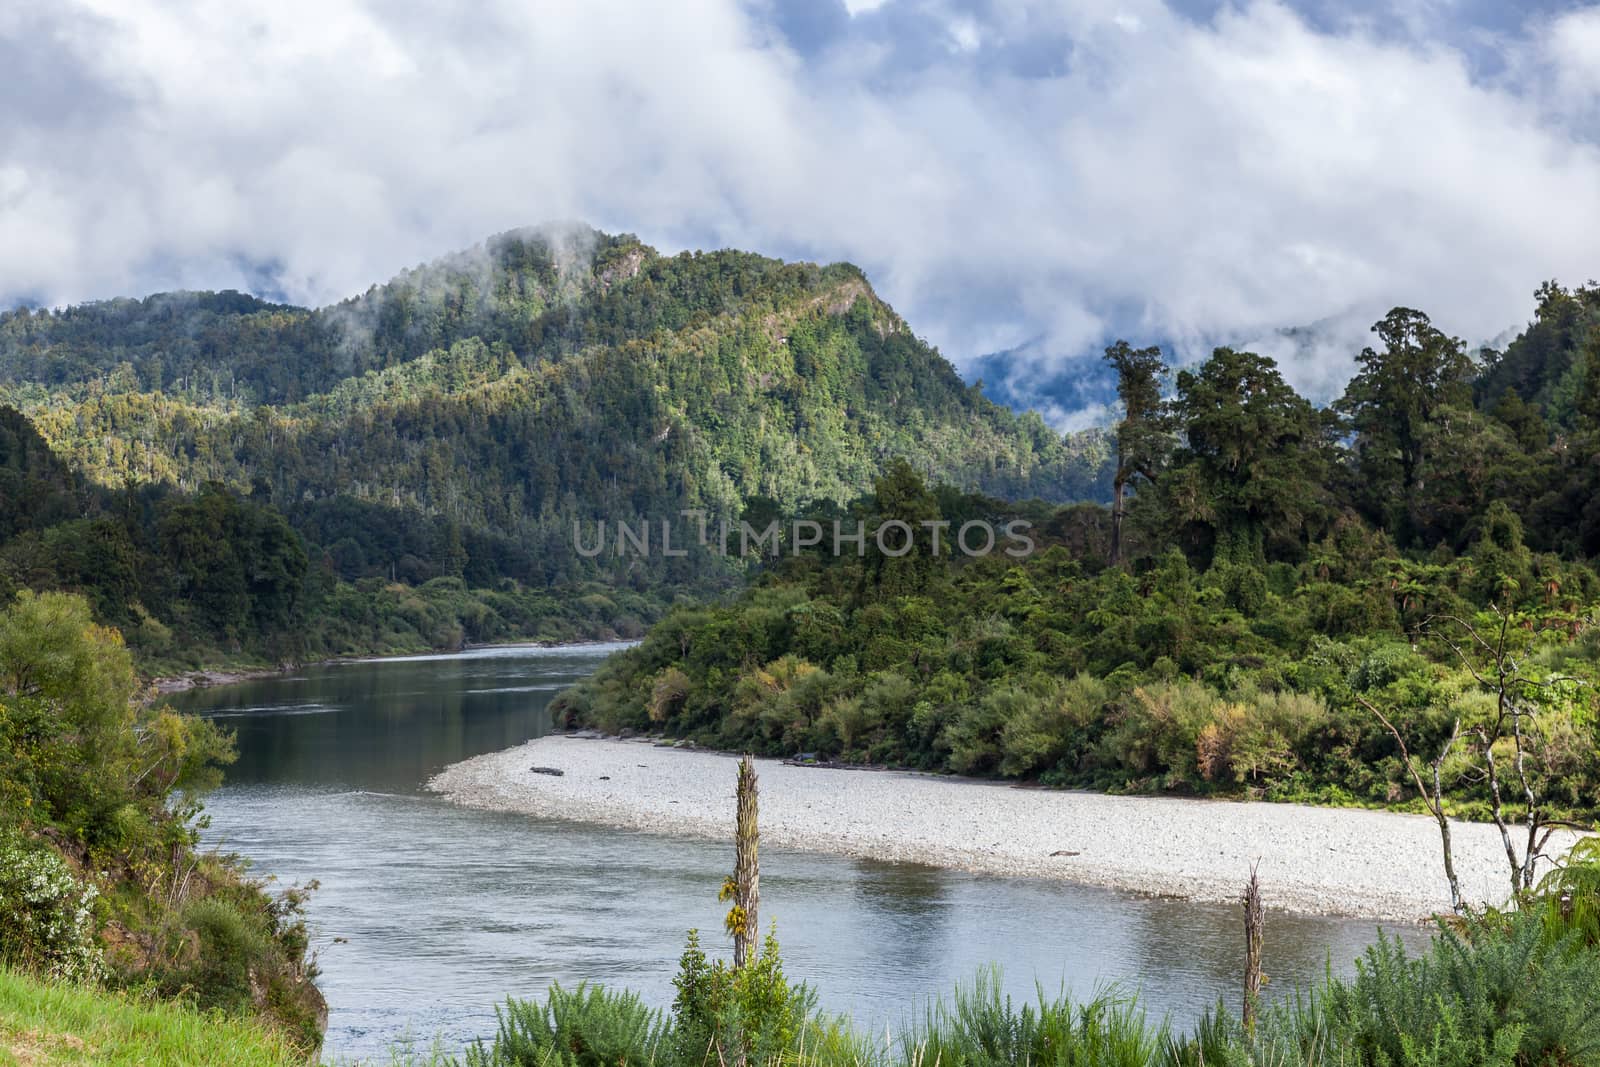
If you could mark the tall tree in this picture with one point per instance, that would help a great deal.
(900, 544)
(1255, 462)
(1144, 436)
(1392, 401)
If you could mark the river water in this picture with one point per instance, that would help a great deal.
(429, 914)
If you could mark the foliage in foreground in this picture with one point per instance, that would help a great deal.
(1505, 990)
(101, 874)
(1509, 989)
(46, 913)
(60, 1023)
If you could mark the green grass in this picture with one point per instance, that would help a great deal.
(50, 1023)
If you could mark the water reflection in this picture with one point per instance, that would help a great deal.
(443, 911)
(388, 724)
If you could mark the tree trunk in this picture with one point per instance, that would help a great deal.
(1117, 511)
(1437, 807)
(746, 867)
(1254, 926)
(1434, 799)
(1497, 810)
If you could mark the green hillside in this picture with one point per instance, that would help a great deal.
(540, 377)
(433, 442)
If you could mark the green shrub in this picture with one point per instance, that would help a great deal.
(979, 1027)
(219, 953)
(1156, 729)
(751, 1014)
(1494, 993)
(1052, 729)
(46, 914)
(1568, 898)
(583, 1027)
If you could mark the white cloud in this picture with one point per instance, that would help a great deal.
(964, 35)
(1572, 48)
(1204, 182)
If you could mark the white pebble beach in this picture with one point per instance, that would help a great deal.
(1336, 861)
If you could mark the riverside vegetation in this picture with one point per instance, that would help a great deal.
(102, 880)
(1386, 602)
(1509, 988)
(1497, 987)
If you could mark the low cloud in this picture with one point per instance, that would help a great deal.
(1004, 171)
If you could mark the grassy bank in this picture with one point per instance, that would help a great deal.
(57, 1023)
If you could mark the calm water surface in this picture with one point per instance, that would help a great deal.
(430, 914)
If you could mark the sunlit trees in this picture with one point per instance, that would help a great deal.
(77, 748)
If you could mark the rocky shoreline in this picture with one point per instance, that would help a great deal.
(1336, 861)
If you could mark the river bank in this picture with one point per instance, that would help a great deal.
(1332, 861)
(206, 677)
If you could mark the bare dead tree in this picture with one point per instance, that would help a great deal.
(744, 886)
(1254, 928)
(1434, 797)
(1502, 676)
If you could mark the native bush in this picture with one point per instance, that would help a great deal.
(583, 1027)
(747, 1014)
(1491, 993)
(1051, 731)
(1221, 667)
(1155, 730)
(99, 780)
(1508, 989)
(980, 1027)
(46, 914)
(1568, 897)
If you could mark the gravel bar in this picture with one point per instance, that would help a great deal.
(1336, 861)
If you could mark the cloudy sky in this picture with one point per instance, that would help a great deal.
(1022, 176)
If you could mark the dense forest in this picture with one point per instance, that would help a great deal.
(217, 576)
(429, 446)
(1282, 601)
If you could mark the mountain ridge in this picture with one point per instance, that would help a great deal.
(540, 377)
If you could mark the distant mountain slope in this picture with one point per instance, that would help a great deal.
(36, 489)
(544, 376)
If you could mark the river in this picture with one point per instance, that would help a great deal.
(429, 914)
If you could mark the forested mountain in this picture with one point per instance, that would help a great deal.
(456, 422)
(1341, 604)
(542, 377)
